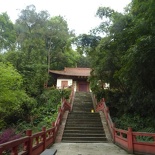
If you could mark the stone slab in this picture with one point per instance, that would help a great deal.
(49, 152)
(88, 149)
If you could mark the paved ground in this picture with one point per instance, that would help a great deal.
(88, 149)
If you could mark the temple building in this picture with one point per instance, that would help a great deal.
(76, 77)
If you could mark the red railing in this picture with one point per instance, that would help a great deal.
(34, 144)
(127, 139)
(71, 98)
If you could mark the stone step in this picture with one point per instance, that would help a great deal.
(84, 121)
(84, 139)
(82, 106)
(82, 117)
(82, 126)
(79, 128)
(84, 114)
(79, 120)
(85, 105)
(84, 131)
(84, 135)
(85, 125)
(81, 110)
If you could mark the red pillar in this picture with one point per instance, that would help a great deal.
(1, 149)
(14, 150)
(130, 140)
(30, 144)
(54, 126)
(44, 138)
(113, 127)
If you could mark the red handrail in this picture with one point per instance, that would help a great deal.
(34, 144)
(127, 139)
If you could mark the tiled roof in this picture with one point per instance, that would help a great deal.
(73, 71)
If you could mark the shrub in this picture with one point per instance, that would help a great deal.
(65, 93)
(8, 135)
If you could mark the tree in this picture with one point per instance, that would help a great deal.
(125, 57)
(42, 43)
(58, 43)
(30, 28)
(138, 69)
(12, 96)
(7, 33)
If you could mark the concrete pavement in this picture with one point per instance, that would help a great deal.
(88, 149)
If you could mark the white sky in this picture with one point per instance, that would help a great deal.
(80, 14)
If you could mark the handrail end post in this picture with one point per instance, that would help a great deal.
(44, 137)
(130, 140)
(113, 127)
(30, 143)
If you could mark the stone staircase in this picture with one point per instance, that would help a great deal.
(82, 125)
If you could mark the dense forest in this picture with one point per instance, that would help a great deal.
(121, 52)
(30, 47)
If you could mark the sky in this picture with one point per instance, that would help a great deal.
(80, 14)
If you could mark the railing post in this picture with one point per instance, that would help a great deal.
(1, 149)
(29, 133)
(14, 151)
(107, 112)
(130, 140)
(54, 132)
(44, 138)
(113, 129)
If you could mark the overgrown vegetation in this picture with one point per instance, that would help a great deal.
(124, 57)
(30, 47)
(34, 117)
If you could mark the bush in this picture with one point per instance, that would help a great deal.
(135, 121)
(8, 135)
(51, 97)
(65, 93)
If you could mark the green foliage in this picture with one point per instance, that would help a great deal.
(84, 61)
(33, 45)
(7, 32)
(65, 93)
(86, 43)
(10, 85)
(51, 97)
(124, 57)
(13, 98)
(146, 138)
(44, 113)
(42, 42)
(135, 121)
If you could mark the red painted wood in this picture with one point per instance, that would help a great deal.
(121, 142)
(83, 86)
(130, 140)
(144, 148)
